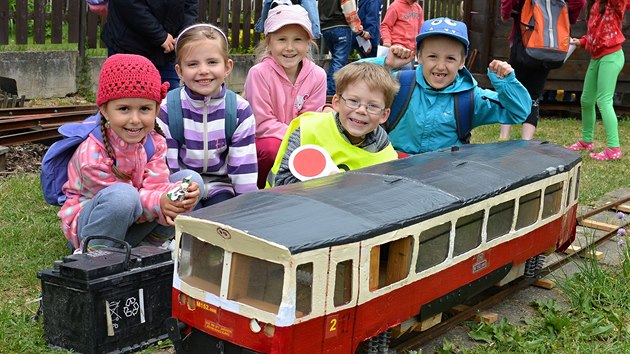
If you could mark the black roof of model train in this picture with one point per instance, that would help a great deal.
(360, 204)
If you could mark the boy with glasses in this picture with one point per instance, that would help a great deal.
(352, 134)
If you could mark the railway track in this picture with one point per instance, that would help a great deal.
(26, 124)
(417, 340)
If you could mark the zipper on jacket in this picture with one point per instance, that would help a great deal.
(204, 165)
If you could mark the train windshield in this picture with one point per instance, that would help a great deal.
(252, 281)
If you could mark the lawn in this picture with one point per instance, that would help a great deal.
(31, 239)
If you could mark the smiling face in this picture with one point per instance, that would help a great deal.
(441, 58)
(357, 122)
(203, 67)
(288, 46)
(131, 118)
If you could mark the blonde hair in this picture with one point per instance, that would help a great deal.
(375, 76)
(199, 32)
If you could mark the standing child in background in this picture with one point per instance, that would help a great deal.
(370, 15)
(224, 167)
(339, 20)
(149, 28)
(532, 76)
(351, 135)
(429, 122)
(402, 23)
(603, 40)
(112, 189)
(285, 82)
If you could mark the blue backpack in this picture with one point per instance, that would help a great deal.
(175, 123)
(464, 106)
(54, 172)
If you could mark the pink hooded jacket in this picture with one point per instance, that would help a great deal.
(89, 171)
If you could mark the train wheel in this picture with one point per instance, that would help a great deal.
(534, 265)
(378, 344)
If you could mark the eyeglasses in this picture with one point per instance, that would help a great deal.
(354, 104)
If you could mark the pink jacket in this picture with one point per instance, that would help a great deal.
(401, 24)
(604, 33)
(89, 171)
(276, 101)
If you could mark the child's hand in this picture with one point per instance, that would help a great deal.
(398, 56)
(575, 42)
(169, 44)
(501, 68)
(171, 208)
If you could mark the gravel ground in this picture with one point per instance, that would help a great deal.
(25, 158)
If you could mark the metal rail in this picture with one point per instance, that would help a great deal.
(27, 124)
(418, 339)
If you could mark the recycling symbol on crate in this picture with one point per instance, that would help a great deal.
(131, 307)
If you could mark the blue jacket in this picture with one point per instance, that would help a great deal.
(429, 124)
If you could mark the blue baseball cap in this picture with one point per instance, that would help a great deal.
(444, 26)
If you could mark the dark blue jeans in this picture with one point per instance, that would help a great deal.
(339, 42)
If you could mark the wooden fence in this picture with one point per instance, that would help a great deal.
(64, 21)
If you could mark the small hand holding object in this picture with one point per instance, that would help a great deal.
(501, 68)
(179, 199)
(575, 42)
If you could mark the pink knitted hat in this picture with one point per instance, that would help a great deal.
(129, 76)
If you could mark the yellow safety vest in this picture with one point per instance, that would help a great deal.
(321, 129)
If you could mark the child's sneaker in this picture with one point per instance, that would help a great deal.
(607, 154)
(581, 145)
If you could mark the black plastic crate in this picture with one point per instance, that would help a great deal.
(108, 301)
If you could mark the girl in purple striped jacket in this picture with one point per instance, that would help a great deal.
(223, 168)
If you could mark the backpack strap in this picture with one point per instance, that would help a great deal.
(464, 110)
(407, 80)
(175, 115)
(230, 115)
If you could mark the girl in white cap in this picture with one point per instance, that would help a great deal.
(285, 82)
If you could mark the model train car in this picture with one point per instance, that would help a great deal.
(337, 264)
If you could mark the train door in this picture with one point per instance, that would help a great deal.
(341, 299)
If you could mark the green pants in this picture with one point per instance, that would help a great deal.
(599, 87)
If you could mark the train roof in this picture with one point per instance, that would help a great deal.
(360, 204)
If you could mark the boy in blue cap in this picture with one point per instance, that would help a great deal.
(428, 122)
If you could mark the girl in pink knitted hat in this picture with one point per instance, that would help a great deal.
(115, 186)
(285, 83)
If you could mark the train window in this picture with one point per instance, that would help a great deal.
(500, 220)
(528, 207)
(468, 233)
(552, 200)
(303, 289)
(343, 283)
(256, 282)
(569, 191)
(390, 262)
(433, 246)
(201, 264)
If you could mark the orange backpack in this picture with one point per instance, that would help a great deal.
(545, 32)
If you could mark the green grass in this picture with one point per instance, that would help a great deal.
(31, 240)
(598, 177)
